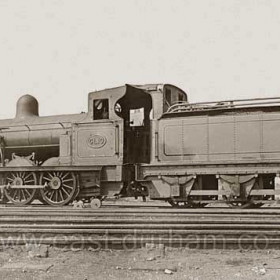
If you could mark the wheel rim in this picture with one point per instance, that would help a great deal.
(20, 196)
(61, 187)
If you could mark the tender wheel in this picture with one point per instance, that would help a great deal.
(20, 196)
(61, 187)
(199, 205)
(186, 204)
(95, 203)
(241, 205)
(257, 205)
(179, 204)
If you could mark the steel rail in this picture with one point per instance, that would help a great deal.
(136, 227)
(137, 220)
(136, 209)
(195, 226)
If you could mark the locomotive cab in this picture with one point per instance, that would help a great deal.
(134, 108)
(129, 108)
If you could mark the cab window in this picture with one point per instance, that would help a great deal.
(136, 117)
(100, 109)
(180, 96)
(168, 97)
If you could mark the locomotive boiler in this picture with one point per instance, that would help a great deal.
(143, 140)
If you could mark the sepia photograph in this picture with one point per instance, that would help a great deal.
(139, 139)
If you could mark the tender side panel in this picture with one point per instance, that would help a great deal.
(271, 133)
(234, 138)
(221, 138)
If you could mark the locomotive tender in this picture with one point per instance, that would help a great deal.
(143, 140)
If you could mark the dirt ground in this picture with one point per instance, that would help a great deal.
(145, 263)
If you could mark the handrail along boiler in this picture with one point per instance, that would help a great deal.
(143, 140)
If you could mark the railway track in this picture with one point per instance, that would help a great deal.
(131, 227)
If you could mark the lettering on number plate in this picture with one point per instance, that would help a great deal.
(96, 141)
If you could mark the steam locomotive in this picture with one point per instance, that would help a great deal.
(143, 140)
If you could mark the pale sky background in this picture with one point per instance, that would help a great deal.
(60, 50)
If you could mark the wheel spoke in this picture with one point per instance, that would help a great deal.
(68, 180)
(22, 191)
(69, 187)
(29, 181)
(27, 191)
(10, 179)
(52, 194)
(15, 194)
(65, 175)
(50, 175)
(47, 193)
(28, 175)
(48, 179)
(64, 191)
(19, 195)
(60, 193)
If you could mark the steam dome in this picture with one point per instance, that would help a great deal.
(27, 106)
